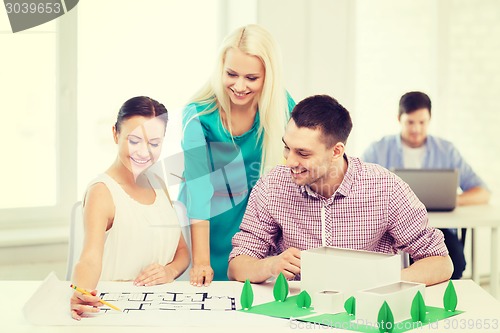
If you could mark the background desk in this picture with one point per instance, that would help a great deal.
(480, 308)
(473, 217)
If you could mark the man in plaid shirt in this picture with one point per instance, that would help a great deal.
(322, 197)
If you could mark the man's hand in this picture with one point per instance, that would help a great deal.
(288, 262)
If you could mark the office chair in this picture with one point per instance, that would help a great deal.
(75, 242)
(76, 236)
(463, 232)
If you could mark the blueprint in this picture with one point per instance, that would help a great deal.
(148, 301)
(175, 304)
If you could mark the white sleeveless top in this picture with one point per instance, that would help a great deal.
(141, 234)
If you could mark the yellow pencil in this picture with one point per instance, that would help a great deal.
(83, 291)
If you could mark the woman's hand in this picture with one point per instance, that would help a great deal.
(81, 303)
(155, 274)
(201, 275)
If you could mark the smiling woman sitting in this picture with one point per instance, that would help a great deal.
(131, 229)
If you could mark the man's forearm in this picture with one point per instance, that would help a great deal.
(430, 270)
(474, 196)
(245, 267)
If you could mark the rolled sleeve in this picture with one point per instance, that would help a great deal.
(467, 177)
(409, 225)
(258, 230)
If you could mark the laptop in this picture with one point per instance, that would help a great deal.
(436, 188)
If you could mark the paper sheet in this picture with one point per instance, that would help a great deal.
(164, 305)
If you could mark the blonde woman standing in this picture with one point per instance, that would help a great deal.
(232, 132)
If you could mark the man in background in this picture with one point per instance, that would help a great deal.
(413, 148)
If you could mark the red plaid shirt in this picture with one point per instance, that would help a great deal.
(371, 210)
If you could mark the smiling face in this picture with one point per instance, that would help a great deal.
(139, 142)
(310, 161)
(243, 77)
(414, 127)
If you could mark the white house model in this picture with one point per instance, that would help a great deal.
(331, 275)
(398, 295)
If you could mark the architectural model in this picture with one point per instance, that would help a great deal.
(354, 290)
(345, 270)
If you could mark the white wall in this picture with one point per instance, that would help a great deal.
(395, 53)
(317, 42)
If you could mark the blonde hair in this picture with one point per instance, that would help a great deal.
(273, 105)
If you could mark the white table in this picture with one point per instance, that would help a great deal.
(473, 217)
(480, 307)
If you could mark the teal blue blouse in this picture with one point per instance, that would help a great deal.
(219, 174)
